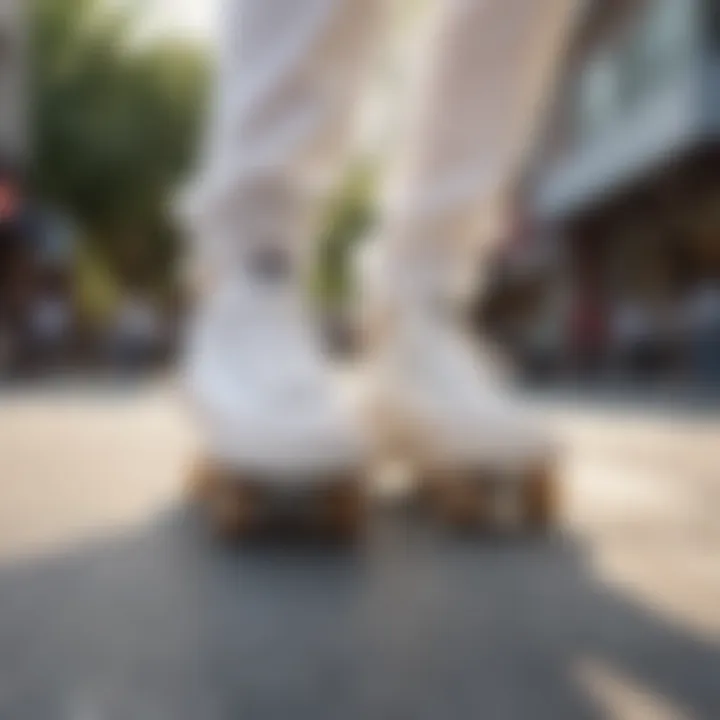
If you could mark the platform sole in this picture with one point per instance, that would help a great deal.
(241, 505)
(486, 499)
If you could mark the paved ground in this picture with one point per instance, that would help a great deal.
(114, 604)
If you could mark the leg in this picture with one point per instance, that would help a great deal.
(289, 79)
(479, 99)
(272, 420)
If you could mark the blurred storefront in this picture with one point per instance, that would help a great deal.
(626, 180)
(13, 81)
(14, 260)
(36, 245)
(36, 294)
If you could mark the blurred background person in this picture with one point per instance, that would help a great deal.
(137, 335)
(701, 316)
(50, 325)
(632, 338)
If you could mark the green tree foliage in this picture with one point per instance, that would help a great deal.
(116, 128)
(349, 215)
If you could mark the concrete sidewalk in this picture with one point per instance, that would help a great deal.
(114, 603)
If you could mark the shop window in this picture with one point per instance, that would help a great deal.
(713, 22)
(667, 34)
(661, 44)
(598, 95)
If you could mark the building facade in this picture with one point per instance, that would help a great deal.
(13, 81)
(631, 156)
(15, 255)
(626, 177)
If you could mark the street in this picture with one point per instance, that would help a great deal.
(115, 604)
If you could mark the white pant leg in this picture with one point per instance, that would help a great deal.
(289, 77)
(488, 67)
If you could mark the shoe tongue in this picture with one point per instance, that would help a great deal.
(431, 277)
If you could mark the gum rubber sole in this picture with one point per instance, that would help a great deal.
(541, 498)
(472, 499)
(243, 505)
(459, 499)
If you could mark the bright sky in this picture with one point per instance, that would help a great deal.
(194, 17)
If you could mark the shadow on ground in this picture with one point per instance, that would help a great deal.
(163, 623)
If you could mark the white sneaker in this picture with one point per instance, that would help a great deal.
(263, 390)
(443, 402)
